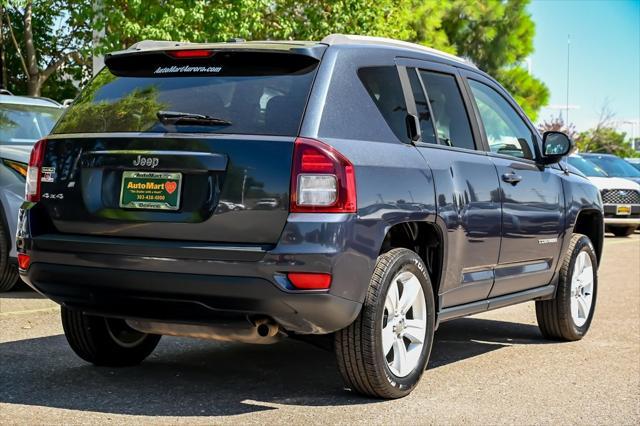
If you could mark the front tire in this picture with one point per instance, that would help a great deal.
(106, 341)
(8, 271)
(384, 352)
(568, 316)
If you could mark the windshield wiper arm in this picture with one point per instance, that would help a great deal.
(174, 117)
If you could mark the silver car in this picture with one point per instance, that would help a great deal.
(23, 120)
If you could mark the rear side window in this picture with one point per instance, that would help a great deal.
(452, 121)
(383, 85)
(248, 92)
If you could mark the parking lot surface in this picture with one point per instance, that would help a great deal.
(488, 369)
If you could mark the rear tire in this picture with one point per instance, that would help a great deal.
(568, 316)
(106, 341)
(622, 231)
(384, 352)
(8, 271)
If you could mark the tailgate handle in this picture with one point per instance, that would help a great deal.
(152, 160)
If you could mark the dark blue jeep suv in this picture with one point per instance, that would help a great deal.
(361, 188)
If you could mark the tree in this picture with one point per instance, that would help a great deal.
(43, 37)
(125, 22)
(604, 137)
(557, 124)
(496, 36)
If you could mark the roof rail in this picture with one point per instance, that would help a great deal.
(345, 39)
(5, 92)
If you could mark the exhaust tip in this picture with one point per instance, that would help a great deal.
(263, 330)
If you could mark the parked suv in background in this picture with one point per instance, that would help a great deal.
(23, 120)
(620, 197)
(385, 188)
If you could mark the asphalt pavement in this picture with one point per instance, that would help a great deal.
(492, 368)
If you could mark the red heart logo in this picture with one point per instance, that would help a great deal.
(170, 187)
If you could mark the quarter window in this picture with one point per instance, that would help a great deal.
(506, 132)
(383, 85)
(452, 122)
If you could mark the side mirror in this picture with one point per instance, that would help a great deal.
(555, 145)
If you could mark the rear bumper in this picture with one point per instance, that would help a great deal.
(188, 298)
(201, 283)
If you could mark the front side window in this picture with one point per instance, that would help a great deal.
(506, 132)
(452, 122)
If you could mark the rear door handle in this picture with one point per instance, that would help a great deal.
(511, 178)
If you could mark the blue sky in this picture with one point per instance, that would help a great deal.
(604, 58)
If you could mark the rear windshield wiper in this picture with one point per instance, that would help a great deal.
(173, 117)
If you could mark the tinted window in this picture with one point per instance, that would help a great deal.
(506, 132)
(258, 93)
(383, 85)
(452, 122)
(26, 123)
(424, 115)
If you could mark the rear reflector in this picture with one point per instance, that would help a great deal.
(186, 54)
(310, 281)
(32, 187)
(23, 261)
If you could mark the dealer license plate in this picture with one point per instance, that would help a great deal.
(150, 190)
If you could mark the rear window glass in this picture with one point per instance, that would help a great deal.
(245, 92)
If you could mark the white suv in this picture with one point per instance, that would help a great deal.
(621, 197)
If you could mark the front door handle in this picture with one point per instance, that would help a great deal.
(511, 178)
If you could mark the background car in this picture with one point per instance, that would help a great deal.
(614, 166)
(23, 120)
(621, 197)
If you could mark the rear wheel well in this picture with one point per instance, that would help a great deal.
(589, 223)
(424, 239)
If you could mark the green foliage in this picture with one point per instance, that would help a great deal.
(530, 93)
(605, 140)
(59, 28)
(497, 36)
(126, 22)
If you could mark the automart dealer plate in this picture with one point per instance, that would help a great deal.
(150, 190)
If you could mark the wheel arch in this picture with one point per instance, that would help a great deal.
(425, 238)
(590, 222)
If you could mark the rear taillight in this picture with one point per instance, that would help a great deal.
(322, 180)
(32, 188)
